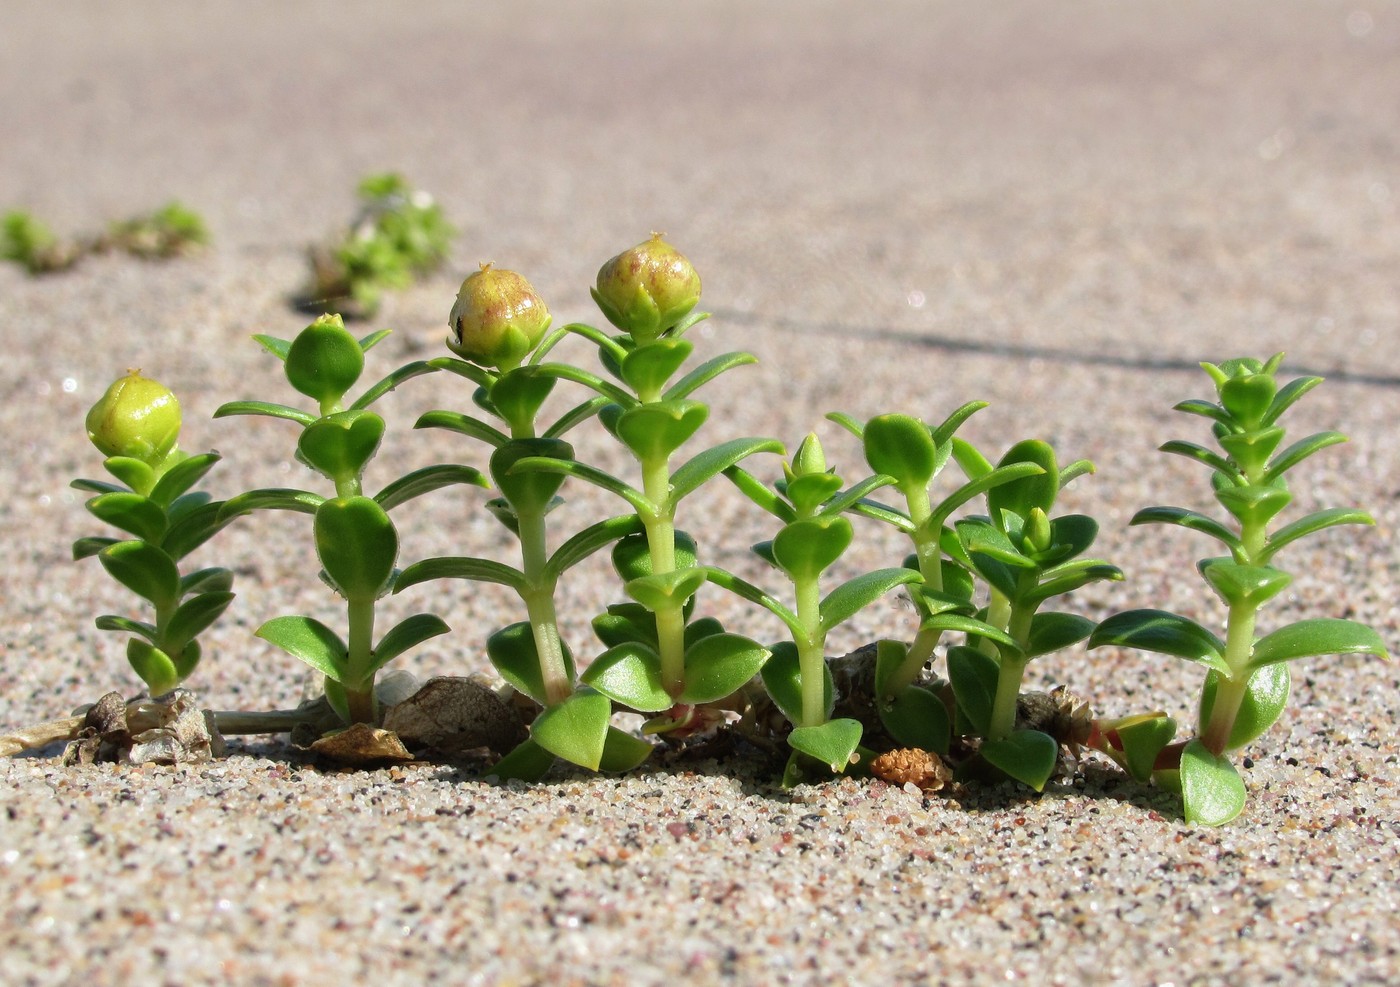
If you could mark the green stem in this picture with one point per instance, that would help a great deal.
(1231, 689)
(661, 543)
(930, 556)
(539, 605)
(811, 652)
(359, 684)
(1013, 672)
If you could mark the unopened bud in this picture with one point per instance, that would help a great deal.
(136, 417)
(647, 290)
(497, 320)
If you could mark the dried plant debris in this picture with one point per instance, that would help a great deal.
(170, 730)
(362, 745)
(454, 715)
(910, 766)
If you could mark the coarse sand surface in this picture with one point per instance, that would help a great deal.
(1056, 208)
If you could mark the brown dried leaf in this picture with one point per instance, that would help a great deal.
(362, 745)
(454, 715)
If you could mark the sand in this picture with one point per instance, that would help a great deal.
(896, 207)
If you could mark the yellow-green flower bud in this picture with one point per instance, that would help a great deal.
(647, 290)
(137, 417)
(497, 320)
(809, 457)
(325, 360)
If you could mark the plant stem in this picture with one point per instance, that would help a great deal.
(811, 652)
(1231, 689)
(359, 684)
(930, 557)
(539, 605)
(661, 543)
(999, 616)
(1013, 671)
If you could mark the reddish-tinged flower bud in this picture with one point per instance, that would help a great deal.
(497, 320)
(647, 290)
(137, 417)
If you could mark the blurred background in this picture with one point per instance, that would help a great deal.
(897, 206)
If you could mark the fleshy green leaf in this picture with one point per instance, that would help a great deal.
(476, 570)
(271, 499)
(1309, 523)
(407, 372)
(808, 546)
(86, 548)
(1193, 520)
(782, 678)
(340, 445)
(1212, 792)
(462, 424)
(528, 762)
(656, 592)
(748, 591)
(832, 743)
(974, 678)
(590, 540)
(144, 569)
(427, 479)
(1253, 504)
(213, 579)
(647, 368)
(630, 674)
(512, 650)
(193, 616)
(719, 665)
(357, 545)
(903, 448)
(1320, 636)
(589, 474)
(182, 476)
(1039, 490)
(753, 488)
(943, 433)
(1029, 756)
(1142, 739)
(1052, 631)
(576, 415)
(1069, 577)
(135, 473)
(576, 729)
(111, 622)
(707, 372)
(855, 594)
(1201, 454)
(714, 461)
(153, 665)
(1287, 394)
(310, 641)
(622, 752)
(407, 633)
(265, 408)
(277, 347)
(1236, 584)
(132, 513)
(917, 718)
(1163, 632)
(194, 528)
(1263, 703)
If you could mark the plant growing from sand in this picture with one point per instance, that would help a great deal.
(356, 541)
(979, 582)
(1247, 678)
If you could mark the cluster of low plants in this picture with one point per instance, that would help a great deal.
(989, 557)
(173, 230)
(398, 235)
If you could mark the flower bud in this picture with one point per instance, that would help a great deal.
(137, 417)
(647, 290)
(325, 360)
(497, 320)
(809, 457)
